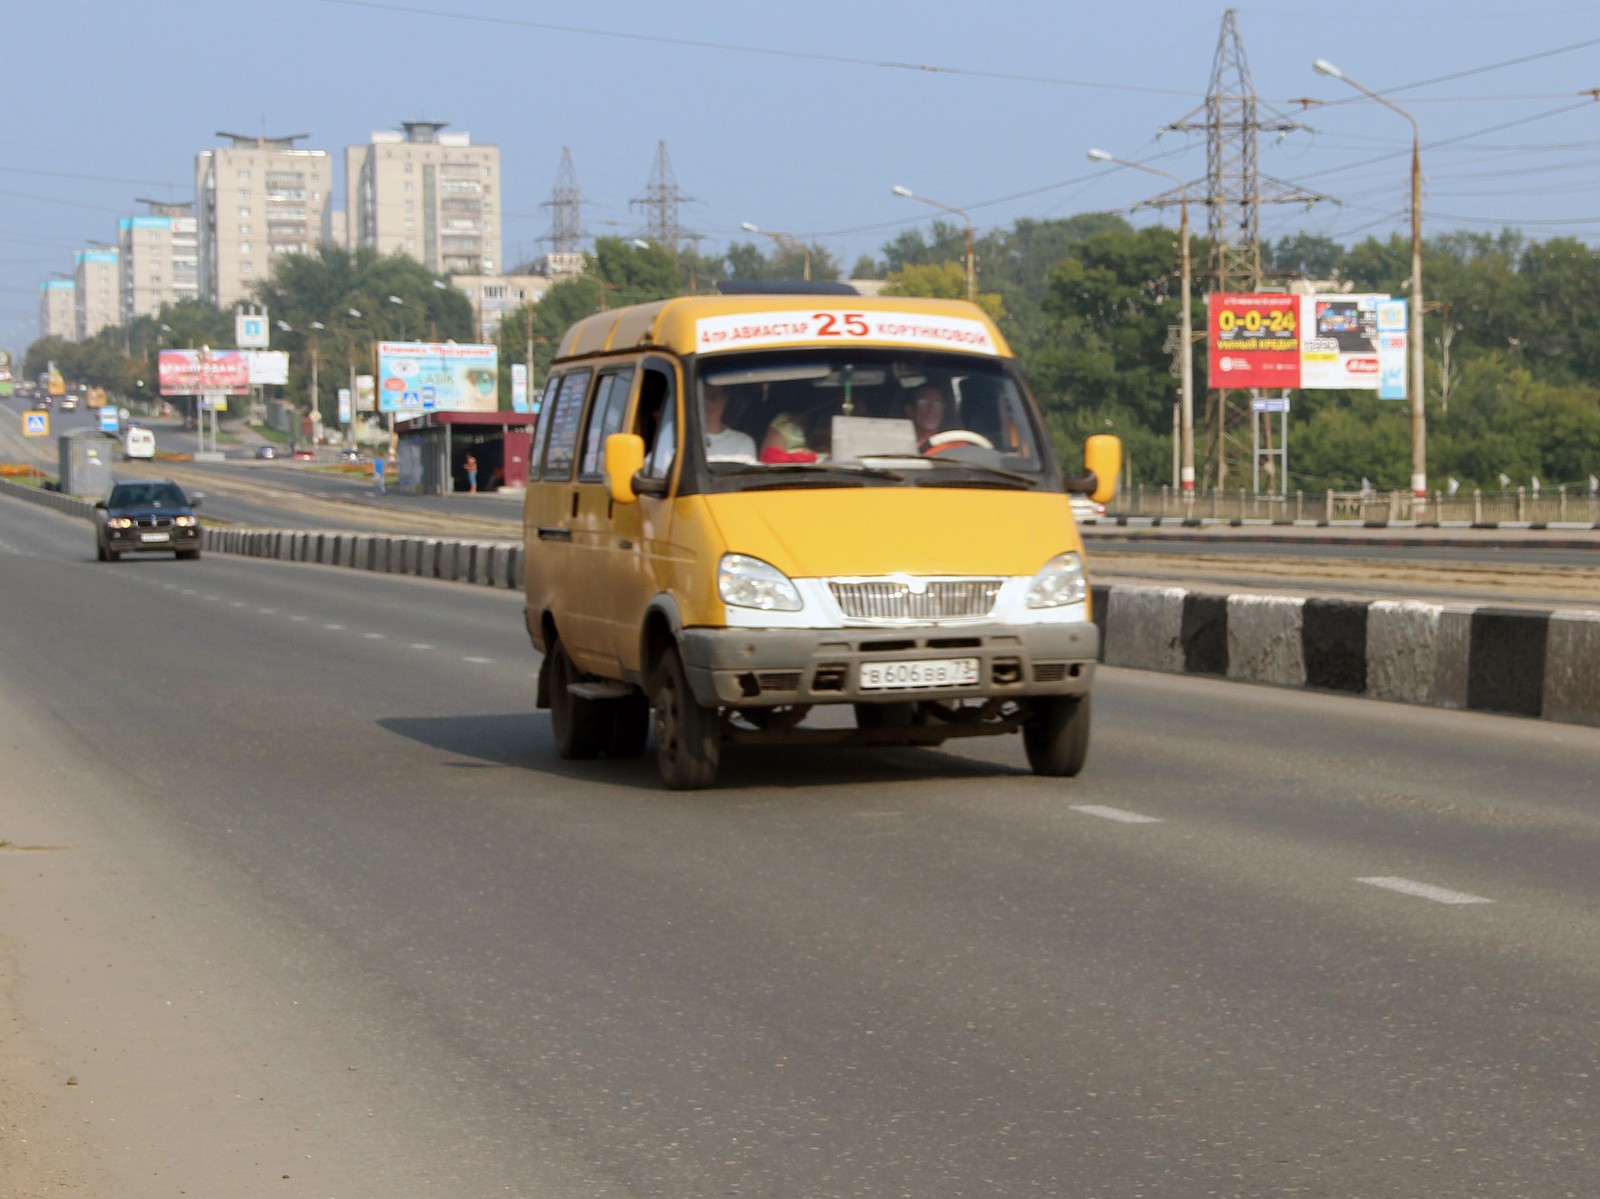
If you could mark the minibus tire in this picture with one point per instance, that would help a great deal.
(1056, 735)
(630, 726)
(688, 737)
(580, 726)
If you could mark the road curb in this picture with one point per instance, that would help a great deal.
(1538, 663)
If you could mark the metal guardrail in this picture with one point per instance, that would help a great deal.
(1557, 505)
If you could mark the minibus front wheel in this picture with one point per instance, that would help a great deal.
(1056, 734)
(688, 736)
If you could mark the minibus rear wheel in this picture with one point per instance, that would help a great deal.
(1056, 734)
(580, 725)
(688, 736)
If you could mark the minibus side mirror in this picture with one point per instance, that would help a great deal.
(1102, 459)
(624, 459)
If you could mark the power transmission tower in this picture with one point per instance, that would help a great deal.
(1235, 191)
(660, 203)
(566, 221)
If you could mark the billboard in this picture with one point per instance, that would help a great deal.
(1252, 341)
(195, 372)
(268, 367)
(417, 377)
(1327, 342)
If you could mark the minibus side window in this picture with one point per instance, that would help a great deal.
(605, 418)
(543, 406)
(564, 414)
(656, 422)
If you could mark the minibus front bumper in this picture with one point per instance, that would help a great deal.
(760, 668)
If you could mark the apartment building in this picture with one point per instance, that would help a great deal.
(431, 195)
(58, 309)
(495, 296)
(160, 259)
(97, 291)
(257, 199)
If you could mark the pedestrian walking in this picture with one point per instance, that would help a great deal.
(377, 473)
(471, 465)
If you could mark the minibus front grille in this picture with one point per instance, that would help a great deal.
(921, 599)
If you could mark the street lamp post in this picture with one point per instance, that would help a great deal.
(786, 240)
(1419, 416)
(972, 275)
(1186, 326)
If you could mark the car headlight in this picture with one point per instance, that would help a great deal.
(746, 582)
(119, 522)
(184, 522)
(1060, 581)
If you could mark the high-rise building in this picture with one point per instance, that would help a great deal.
(97, 292)
(58, 309)
(257, 200)
(160, 259)
(431, 195)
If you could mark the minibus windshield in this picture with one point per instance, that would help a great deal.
(875, 417)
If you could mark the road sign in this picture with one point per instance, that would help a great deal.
(36, 424)
(1269, 404)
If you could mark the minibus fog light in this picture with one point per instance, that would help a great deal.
(1060, 582)
(746, 582)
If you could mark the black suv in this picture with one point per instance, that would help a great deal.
(143, 516)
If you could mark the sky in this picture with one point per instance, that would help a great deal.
(801, 118)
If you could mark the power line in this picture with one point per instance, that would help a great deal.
(768, 51)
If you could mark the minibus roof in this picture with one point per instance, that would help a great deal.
(716, 324)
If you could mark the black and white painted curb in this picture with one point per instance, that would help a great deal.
(1526, 662)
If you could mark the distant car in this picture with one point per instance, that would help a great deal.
(266, 451)
(69, 402)
(303, 456)
(138, 442)
(1083, 508)
(146, 516)
(351, 456)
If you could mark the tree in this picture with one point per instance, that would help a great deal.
(943, 281)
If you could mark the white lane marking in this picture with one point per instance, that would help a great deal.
(1408, 886)
(266, 611)
(298, 618)
(373, 636)
(1105, 813)
(420, 645)
(480, 661)
(333, 627)
(188, 590)
(238, 603)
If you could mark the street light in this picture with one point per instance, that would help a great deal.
(785, 240)
(1186, 326)
(972, 276)
(1419, 416)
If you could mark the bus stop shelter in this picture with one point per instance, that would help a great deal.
(432, 450)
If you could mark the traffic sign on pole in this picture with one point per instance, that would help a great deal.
(36, 424)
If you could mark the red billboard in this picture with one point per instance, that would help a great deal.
(1253, 341)
(197, 372)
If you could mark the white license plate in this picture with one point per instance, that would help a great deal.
(914, 676)
(155, 536)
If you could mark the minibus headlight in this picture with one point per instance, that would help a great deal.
(746, 582)
(1059, 582)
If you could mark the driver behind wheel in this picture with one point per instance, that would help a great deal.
(926, 411)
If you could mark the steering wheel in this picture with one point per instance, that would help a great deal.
(940, 442)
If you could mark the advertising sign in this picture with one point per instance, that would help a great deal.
(268, 367)
(417, 377)
(196, 372)
(1339, 348)
(366, 393)
(5, 373)
(1392, 341)
(519, 387)
(1253, 341)
(344, 406)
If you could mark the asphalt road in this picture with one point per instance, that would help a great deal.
(300, 898)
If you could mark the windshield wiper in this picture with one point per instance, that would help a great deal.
(993, 472)
(851, 469)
